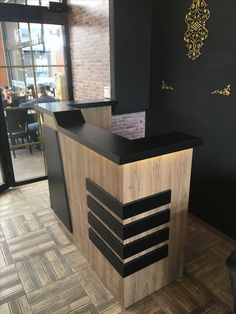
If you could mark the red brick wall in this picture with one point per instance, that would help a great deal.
(3, 72)
(131, 125)
(89, 43)
(90, 56)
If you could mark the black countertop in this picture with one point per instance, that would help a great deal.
(119, 149)
(62, 106)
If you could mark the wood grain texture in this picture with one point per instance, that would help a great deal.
(97, 292)
(16, 306)
(5, 255)
(49, 120)
(41, 270)
(145, 178)
(10, 284)
(62, 296)
(30, 244)
(20, 225)
(204, 287)
(100, 117)
(73, 155)
(128, 183)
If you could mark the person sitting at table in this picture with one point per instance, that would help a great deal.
(6, 97)
(10, 98)
(42, 97)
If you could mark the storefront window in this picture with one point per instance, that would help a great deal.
(33, 69)
(33, 54)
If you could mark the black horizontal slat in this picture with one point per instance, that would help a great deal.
(131, 209)
(129, 230)
(126, 269)
(146, 223)
(135, 247)
(145, 260)
(104, 197)
(106, 235)
(146, 242)
(104, 249)
(145, 204)
(107, 218)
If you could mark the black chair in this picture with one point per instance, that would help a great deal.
(231, 264)
(17, 125)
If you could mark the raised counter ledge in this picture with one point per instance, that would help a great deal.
(119, 149)
(62, 106)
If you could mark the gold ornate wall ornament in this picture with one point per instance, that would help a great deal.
(196, 32)
(165, 86)
(224, 92)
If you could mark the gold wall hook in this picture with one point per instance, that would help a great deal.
(165, 86)
(196, 32)
(223, 92)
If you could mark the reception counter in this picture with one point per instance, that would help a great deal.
(124, 202)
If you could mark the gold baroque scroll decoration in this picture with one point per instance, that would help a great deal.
(196, 31)
(165, 86)
(224, 92)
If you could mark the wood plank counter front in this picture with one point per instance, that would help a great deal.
(128, 203)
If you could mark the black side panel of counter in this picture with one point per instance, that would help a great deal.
(56, 179)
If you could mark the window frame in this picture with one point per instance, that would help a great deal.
(30, 14)
(37, 14)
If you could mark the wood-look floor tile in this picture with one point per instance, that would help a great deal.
(34, 188)
(82, 306)
(86, 309)
(11, 195)
(16, 306)
(30, 244)
(11, 287)
(74, 258)
(101, 297)
(185, 295)
(46, 272)
(5, 255)
(220, 309)
(58, 235)
(47, 217)
(2, 237)
(146, 306)
(41, 270)
(39, 201)
(111, 305)
(209, 268)
(62, 295)
(113, 310)
(198, 239)
(20, 225)
(14, 209)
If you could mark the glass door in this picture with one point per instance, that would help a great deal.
(33, 69)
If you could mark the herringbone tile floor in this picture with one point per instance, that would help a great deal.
(42, 271)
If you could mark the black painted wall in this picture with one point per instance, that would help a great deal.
(131, 23)
(191, 108)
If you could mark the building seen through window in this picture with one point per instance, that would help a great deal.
(32, 54)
